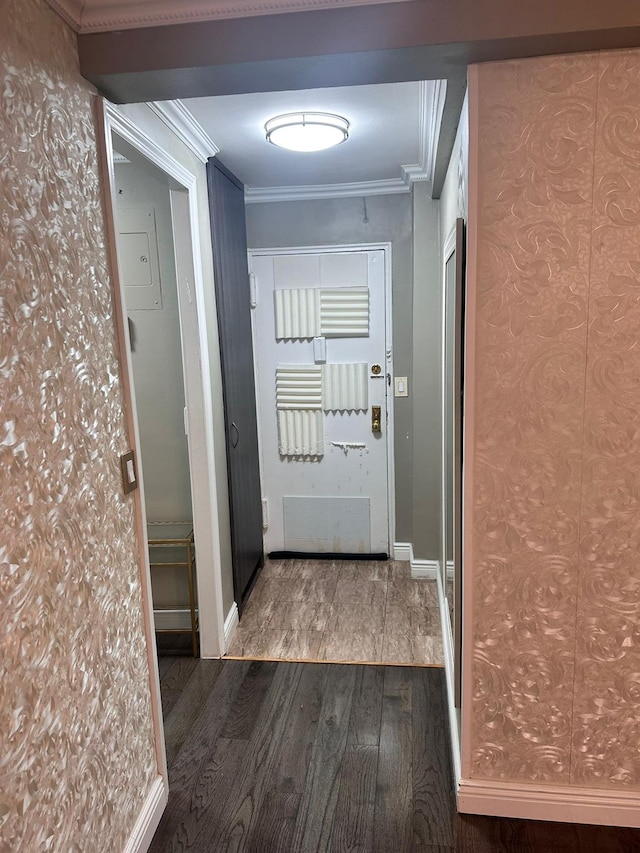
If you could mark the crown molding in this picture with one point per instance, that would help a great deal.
(70, 11)
(432, 97)
(258, 195)
(178, 118)
(434, 124)
(431, 108)
(94, 16)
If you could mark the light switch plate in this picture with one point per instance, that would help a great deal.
(129, 473)
(401, 386)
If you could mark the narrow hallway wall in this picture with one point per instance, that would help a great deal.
(554, 472)
(76, 735)
(426, 505)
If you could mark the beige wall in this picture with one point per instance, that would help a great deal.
(426, 372)
(76, 734)
(358, 220)
(553, 465)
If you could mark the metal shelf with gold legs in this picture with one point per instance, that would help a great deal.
(156, 543)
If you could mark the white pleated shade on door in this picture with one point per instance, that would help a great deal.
(299, 409)
(299, 386)
(344, 312)
(300, 433)
(297, 313)
(303, 313)
(345, 387)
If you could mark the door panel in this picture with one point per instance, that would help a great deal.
(226, 198)
(319, 329)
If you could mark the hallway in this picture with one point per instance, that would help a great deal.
(298, 758)
(341, 611)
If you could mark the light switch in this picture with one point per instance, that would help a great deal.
(401, 386)
(129, 476)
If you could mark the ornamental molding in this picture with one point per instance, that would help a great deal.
(96, 16)
(176, 116)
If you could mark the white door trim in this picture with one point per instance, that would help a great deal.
(386, 248)
(184, 195)
(447, 250)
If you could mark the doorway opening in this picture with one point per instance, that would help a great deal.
(308, 219)
(326, 454)
(321, 323)
(159, 303)
(147, 267)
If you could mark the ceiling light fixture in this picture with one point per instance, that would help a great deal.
(307, 131)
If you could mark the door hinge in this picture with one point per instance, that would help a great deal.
(265, 514)
(186, 421)
(253, 290)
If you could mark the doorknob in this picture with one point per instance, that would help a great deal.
(375, 419)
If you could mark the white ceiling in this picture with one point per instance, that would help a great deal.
(392, 136)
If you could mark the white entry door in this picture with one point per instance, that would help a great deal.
(322, 375)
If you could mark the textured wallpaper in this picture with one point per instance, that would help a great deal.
(557, 446)
(607, 695)
(76, 741)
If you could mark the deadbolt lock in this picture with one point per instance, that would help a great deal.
(375, 419)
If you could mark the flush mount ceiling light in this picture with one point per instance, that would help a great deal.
(307, 131)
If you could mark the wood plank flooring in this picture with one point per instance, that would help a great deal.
(272, 757)
(341, 611)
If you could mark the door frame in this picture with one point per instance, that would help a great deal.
(447, 251)
(448, 248)
(386, 248)
(199, 407)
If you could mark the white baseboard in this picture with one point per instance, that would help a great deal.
(175, 619)
(403, 551)
(420, 569)
(149, 818)
(552, 802)
(424, 569)
(230, 625)
(447, 647)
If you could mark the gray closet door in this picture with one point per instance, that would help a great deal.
(229, 238)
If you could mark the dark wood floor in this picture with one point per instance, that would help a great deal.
(269, 757)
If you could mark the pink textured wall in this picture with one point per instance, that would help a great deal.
(553, 530)
(606, 708)
(77, 753)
